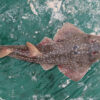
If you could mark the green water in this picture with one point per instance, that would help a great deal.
(31, 20)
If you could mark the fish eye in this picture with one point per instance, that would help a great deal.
(59, 40)
(94, 53)
(92, 41)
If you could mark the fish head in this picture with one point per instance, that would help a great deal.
(94, 47)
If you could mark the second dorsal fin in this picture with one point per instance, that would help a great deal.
(33, 50)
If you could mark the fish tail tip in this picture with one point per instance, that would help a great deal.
(5, 51)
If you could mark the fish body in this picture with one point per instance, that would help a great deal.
(71, 50)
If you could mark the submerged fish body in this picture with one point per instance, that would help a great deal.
(71, 49)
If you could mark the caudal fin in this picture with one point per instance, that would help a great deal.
(4, 51)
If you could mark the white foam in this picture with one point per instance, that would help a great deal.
(96, 29)
(33, 9)
(34, 97)
(24, 17)
(55, 5)
(36, 32)
(80, 98)
(42, 97)
(34, 78)
(1, 98)
(93, 33)
(64, 84)
(85, 88)
(12, 35)
(9, 77)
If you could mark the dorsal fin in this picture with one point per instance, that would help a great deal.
(67, 29)
(33, 50)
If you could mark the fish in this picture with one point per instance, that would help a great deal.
(71, 49)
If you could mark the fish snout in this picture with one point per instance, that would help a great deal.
(94, 49)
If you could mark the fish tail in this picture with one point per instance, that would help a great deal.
(4, 51)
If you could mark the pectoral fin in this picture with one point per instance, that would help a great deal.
(67, 30)
(74, 75)
(33, 50)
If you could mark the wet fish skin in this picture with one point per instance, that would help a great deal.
(71, 49)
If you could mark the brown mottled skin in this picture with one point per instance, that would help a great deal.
(71, 49)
